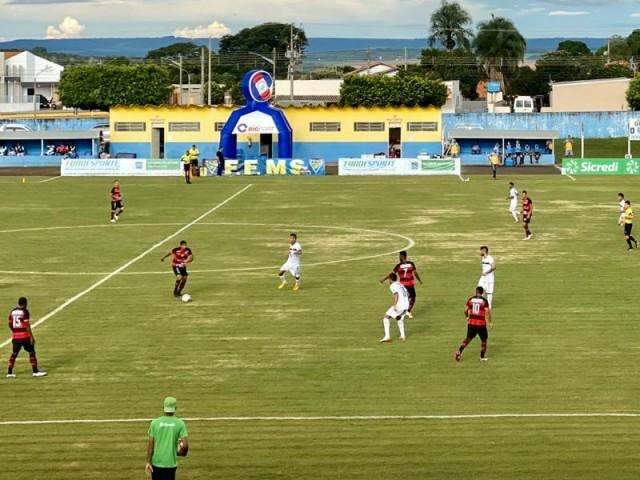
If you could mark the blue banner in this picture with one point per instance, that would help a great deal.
(314, 166)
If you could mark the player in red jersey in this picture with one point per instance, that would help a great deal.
(477, 313)
(527, 213)
(180, 257)
(116, 202)
(407, 274)
(22, 337)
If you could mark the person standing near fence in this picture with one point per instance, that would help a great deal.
(220, 157)
(494, 159)
(166, 442)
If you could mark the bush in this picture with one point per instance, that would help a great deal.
(397, 91)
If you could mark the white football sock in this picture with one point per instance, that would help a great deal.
(515, 215)
(401, 327)
(283, 279)
(387, 327)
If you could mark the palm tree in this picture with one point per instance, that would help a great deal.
(449, 26)
(499, 45)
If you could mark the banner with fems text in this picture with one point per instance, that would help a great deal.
(314, 167)
(600, 166)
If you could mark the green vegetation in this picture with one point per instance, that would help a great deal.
(598, 148)
(243, 348)
(410, 91)
(98, 87)
(450, 27)
(633, 94)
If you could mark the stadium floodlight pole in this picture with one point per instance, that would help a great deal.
(179, 65)
(209, 76)
(270, 61)
(201, 76)
(35, 85)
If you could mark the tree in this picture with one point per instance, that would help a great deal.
(103, 86)
(561, 66)
(450, 27)
(263, 39)
(500, 46)
(410, 91)
(633, 94)
(617, 47)
(573, 47)
(633, 41)
(526, 81)
(457, 64)
(186, 49)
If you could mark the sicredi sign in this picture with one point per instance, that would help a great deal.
(600, 166)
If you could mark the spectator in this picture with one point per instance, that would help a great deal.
(528, 153)
(475, 149)
(568, 147)
(518, 150)
(509, 150)
(549, 147)
(455, 149)
(220, 157)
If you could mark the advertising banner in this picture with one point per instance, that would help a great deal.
(314, 166)
(124, 167)
(634, 129)
(600, 166)
(398, 166)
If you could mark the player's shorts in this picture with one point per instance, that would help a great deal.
(292, 268)
(627, 229)
(117, 205)
(411, 290)
(486, 284)
(182, 271)
(526, 218)
(20, 344)
(395, 313)
(186, 166)
(160, 473)
(474, 330)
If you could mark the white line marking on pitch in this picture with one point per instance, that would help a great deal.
(410, 244)
(130, 262)
(337, 418)
(50, 179)
(565, 174)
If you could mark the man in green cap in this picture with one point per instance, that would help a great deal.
(167, 441)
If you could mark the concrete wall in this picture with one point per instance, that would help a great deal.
(590, 96)
(596, 124)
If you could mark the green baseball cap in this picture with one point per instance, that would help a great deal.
(170, 405)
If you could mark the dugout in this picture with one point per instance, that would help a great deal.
(515, 147)
(45, 148)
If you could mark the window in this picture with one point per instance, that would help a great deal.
(130, 126)
(324, 126)
(219, 126)
(422, 126)
(184, 126)
(368, 126)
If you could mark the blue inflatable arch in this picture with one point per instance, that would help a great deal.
(257, 87)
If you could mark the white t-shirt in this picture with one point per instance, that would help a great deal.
(295, 251)
(513, 194)
(403, 296)
(486, 266)
(622, 206)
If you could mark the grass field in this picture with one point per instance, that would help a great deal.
(598, 148)
(564, 341)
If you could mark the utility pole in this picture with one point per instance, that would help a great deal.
(368, 58)
(180, 95)
(292, 55)
(209, 76)
(406, 59)
(275, 57)
(202, 76)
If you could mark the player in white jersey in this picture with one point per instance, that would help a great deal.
(487, 279)
(513, 202)
(292, 265)
(398, 310)
(621, 207)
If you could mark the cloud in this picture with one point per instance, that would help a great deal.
(529, 11)
(214, 30)
(636, 15)
(69, 28)
(568, 13)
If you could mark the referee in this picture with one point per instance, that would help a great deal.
(167, 440)
(627, 220)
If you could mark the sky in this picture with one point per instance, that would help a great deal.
(320, 18)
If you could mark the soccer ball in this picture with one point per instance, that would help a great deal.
(186, 298)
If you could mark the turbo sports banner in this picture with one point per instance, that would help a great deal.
(600, 166)
(124, 167)
(398, 166)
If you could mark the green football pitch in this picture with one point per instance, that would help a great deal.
(278, 384)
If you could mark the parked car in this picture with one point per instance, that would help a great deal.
(14, 127)
(523, 105)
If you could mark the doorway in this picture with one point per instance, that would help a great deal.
(157, 143)
(395, 142)
(266, 145)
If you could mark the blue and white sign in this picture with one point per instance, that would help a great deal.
(271, 166)
(260, 86)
